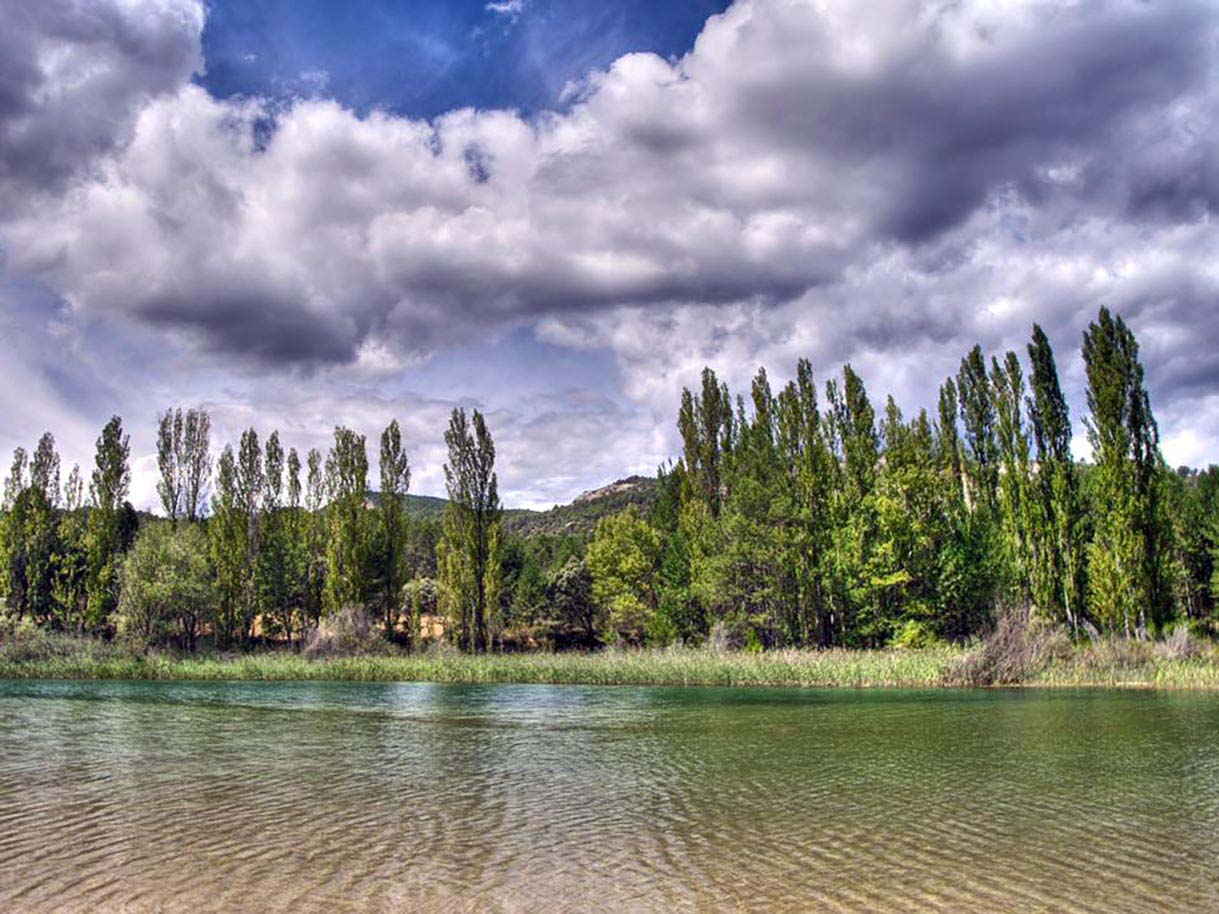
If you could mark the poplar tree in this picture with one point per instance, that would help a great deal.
(1128, 580)
(978, 421)
(395, 482)
(1014, 502)
(468, 555)
(71, 563)
(705, 422)
(250, 482)
(346, 542)
(170, 486)
(227, 535)
(313, 536)
(274, 553)
(108, 492)
(195, 463)
(1059, 580)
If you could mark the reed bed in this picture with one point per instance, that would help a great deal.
(1179, 663)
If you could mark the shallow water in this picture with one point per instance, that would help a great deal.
(362, 797)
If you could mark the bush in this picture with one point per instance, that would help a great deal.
(916, 634)
(350, 631)
(1013, 653)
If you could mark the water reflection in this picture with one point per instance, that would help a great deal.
(333, 796)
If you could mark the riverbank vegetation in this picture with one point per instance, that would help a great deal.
(819, 536)
(1029, 659)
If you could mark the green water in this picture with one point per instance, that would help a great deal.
(354, 797)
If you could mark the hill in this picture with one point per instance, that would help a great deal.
(577, 518)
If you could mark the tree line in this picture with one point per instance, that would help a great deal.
(803, 517)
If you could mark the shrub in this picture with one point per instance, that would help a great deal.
(350, 631)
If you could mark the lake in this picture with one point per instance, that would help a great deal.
(139, 796)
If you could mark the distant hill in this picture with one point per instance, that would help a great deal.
(577, 518)
(582, 514)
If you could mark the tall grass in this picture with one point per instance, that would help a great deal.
(1118, 664)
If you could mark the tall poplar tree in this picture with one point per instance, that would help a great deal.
(346, 527)
(1129, 586)
(468, 555)
(1059, 568)
(170, 486)
(227, 535)
(195, 464)
(107, 493)
(395, 482)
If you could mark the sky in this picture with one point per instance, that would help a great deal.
(303, 213)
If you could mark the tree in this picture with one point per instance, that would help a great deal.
(1059, 580)
(195, 463)
(1014, 499)
(468, 555)
(346, 543)
(227, 536)
(104, 541)
(167, 586)
(170, 487)
(623, 558)
(706, 426)
(275, 569)
(72, 560)
(1129, 586)
(978, 420)
(250, 483)
(571, 595)
(395, 482)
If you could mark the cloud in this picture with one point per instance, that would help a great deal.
(510, 9)
(74, 78)
(882, 183)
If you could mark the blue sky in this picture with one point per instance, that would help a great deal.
(422, 59)
(299, 213)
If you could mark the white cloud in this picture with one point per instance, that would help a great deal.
(884, 184)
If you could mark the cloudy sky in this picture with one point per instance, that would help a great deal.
(307, 212)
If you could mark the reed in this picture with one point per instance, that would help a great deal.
(1110, 665)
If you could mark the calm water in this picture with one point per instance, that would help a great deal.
(333, 797)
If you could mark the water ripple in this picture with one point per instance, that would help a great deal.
(143, 797)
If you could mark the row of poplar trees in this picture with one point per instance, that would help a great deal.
(255, 544)
(804, 518)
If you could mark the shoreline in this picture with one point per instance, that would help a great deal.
(1141, 667)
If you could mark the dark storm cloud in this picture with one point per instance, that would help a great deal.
(259, 327)
(73, 76)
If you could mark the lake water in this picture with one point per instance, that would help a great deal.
(356, 797)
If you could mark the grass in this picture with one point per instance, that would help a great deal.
(1180, 664)
(71, 659)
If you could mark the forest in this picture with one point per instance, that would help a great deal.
(809, 517)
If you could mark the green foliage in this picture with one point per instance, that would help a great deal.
(468, 556)
(347, 524)
(623, 558)
(1129, 586)
(106, 533)
(785, 524)
(167, 586)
